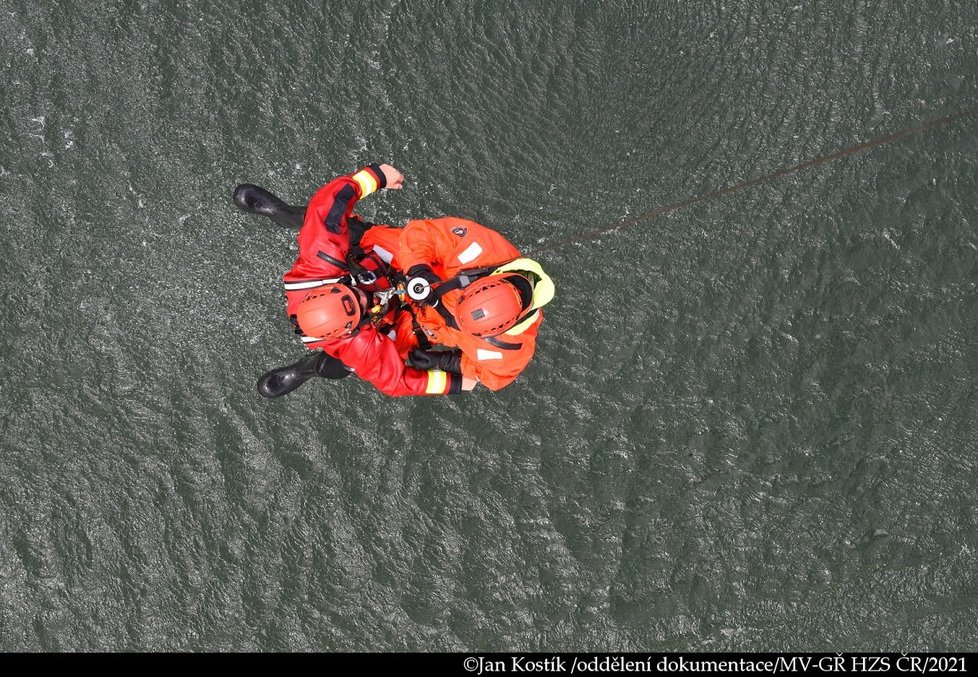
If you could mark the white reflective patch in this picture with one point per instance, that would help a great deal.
(384, 255)
(392, 335)
(470, 253)
(309, 284)
(488, 354)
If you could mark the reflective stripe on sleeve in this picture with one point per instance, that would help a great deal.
(482, 354)
(384, 255)
(366, 181)
(437, 381)
(309, 284)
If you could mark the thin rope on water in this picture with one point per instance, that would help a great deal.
(750, 183)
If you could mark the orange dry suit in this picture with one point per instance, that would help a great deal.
(452, 248)
(376, 350)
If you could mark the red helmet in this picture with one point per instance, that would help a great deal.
(328, 312)
(493, 304)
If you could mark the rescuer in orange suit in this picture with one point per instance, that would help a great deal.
(472, 291)
(340, 298)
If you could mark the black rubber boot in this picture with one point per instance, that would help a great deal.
(257, 200)
(284, 380)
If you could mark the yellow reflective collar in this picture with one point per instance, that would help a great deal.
(521, 327)
(543, 290)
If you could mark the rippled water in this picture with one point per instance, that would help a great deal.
(749, 425)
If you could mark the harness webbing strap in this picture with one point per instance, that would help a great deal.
(447, 316)
(461, 281)
(333, 261)
(423, 341)
(502, 345)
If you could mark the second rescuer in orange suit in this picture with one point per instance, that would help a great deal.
(466, 263)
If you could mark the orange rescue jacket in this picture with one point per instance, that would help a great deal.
(450, 245)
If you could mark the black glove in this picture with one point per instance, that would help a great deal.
(420, 278)
(446, 360)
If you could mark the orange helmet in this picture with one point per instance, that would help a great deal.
(328, 312)
(493, 304)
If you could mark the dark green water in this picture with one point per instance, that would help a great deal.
(750, 424)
